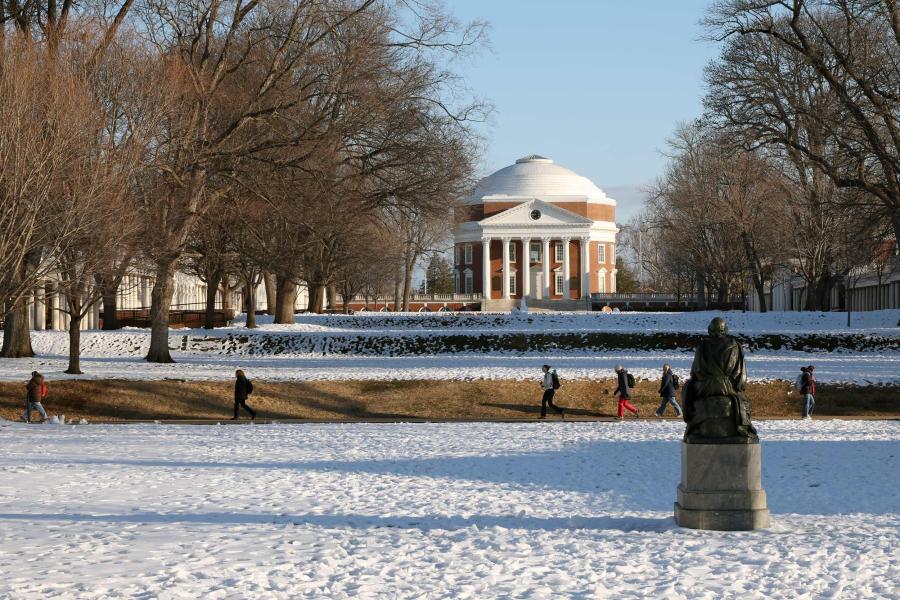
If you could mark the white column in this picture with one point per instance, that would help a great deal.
(526, 267)
(29, 308)
(55, 321)
(96, 312)
(63, 316)
(486, 268)
(585, 267)
(545, 264)
(505, 288)
(612, 281)
(566, 294)
(40, 308)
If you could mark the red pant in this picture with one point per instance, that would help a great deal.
(624, 403)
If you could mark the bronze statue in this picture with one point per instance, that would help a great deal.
(716, 407)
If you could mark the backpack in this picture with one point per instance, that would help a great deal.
(798, 383)
(629, 379)
(675, 383)
(249, 387)
(555, 378)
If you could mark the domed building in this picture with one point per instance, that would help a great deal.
(538, 231)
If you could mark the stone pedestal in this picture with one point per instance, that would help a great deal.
(721, 488)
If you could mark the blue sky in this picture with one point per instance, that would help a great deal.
(596, 85)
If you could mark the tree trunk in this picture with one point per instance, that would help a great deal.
(227, 293)
(760, 287)
(701, 291)
(408, 268)
(316, 298)
(212, 287)
(331, 295)
(74, 340)
(269, 282)
(345, 299)
(111, 311)
(287, 296)
(16, 334)
(250, 305)
(160, 301)
(397, 280)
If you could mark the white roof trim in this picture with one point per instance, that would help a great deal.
(556, 216)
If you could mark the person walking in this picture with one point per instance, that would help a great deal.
(809, 392)
(36, 390)
(242, 389)
(667, 392)
(623, 389)
(550, 383)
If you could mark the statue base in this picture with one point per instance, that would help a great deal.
(721, 488)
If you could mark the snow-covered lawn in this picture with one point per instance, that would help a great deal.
(434, 511)
(861, 368)
(214, 355)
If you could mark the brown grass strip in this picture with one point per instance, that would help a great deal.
(111, 400)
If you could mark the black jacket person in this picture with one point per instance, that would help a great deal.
(242, 389)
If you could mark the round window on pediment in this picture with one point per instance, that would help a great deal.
(535, 214)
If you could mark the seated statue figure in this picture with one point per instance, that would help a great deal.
(716, 407)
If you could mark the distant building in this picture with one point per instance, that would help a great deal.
(46, 305)
(538, 231)
(871, 287)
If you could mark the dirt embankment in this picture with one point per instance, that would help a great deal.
(102, 400)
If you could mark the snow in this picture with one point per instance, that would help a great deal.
(434, 511)
(214, 355)
(862, 368)
(880, 322)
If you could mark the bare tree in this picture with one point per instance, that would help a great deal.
(42, 109)
(851, 48)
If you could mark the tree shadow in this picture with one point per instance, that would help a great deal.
(799, 476)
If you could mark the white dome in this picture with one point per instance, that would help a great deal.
(536, 176)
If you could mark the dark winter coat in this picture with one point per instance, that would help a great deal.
(667, 387)
(36, 391)
(622, 386)
(809, 384)
(242, 388)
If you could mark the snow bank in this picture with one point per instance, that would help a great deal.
(873, 322)
(434, 510)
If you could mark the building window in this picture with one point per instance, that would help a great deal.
(468, 253)
(602, 283)
(469, 284)
(601, 253)
(558, 284)
(559, 252)
(535, 252)
(512, 283)
(455, 255)
(512, 252)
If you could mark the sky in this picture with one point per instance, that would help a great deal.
(596, 85)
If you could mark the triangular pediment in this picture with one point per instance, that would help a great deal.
(549, 214)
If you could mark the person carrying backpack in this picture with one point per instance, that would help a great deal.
(623, 389)
(808, 390)
(798, 383)
(36, 391)
(550, 383)
(242, 389)
(667, 388)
